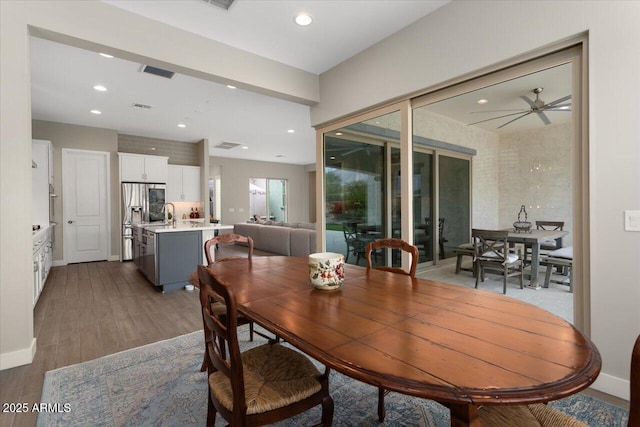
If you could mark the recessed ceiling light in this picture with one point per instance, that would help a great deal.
(482, 101)
(332, 157)
(566, 107)
(231, 86)
(106, 55)
(182, 125)
(291, 131)
(338, 133)
(303, 19)
(100, 88)
(96, 112)
(244, 147)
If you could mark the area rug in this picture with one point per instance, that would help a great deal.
(160, 384)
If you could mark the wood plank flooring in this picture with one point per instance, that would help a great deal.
(90, 310)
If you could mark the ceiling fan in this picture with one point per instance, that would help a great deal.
(537, 106)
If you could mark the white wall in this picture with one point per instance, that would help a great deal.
(535, 171)
(95, 26)
(464, 36)
(235, 174)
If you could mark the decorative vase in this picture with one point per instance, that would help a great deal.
(326, 270)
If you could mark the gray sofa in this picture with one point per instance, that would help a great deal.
(270, 240)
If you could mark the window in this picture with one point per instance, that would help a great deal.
(268, 199)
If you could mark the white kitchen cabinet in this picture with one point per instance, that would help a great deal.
(42, 260)
(41, 172)
(143, 168)
(183, 184)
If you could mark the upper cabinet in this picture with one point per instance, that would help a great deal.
(41, 181)
(142, 168)
(184, 184)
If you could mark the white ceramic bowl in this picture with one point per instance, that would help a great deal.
(326, 270)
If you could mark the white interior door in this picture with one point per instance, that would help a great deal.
(85, 212)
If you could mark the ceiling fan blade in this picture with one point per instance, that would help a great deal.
(522, 110)
(568, 110)
(556, 107)
(544, 118)
(558, 101)
(531, 103)
(517, 118)
(499, 117)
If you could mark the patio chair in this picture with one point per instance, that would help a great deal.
(492, 253)
(354, 243)
(548, 245)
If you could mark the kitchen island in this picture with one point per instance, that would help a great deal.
(167, 255)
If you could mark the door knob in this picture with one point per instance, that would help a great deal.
(69, 222)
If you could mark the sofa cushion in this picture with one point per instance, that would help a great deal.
(274, 239)
(303, 242)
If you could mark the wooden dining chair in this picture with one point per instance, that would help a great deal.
(219, 308)
(391, 243)
(492, 253)
(262, 385)
(540, 414)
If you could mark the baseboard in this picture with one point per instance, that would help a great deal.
(19, 357)
(612, 385)
(61, 262)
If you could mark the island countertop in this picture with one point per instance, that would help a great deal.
(184, 226)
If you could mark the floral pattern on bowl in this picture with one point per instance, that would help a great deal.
(326, 270)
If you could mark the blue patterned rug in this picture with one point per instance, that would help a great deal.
(160, 384)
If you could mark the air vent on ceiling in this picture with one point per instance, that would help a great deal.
(225, 145)
(141, 106)
(225, 4)
(158, 71)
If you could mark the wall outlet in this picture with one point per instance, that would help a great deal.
(631, 220)
(232, 209)
(240, 209)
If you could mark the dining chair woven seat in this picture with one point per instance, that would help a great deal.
(274, 377)
(534, 415)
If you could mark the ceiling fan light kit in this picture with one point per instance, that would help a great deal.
(537, 106)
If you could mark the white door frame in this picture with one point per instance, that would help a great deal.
(107, 188)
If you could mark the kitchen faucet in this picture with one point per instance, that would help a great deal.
(173, 215)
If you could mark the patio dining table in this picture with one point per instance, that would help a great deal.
(534, 238)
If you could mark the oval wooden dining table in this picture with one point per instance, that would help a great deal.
(458, 346)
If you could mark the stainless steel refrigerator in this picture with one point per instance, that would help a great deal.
(141, 203)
